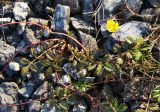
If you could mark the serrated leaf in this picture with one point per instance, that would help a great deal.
(48, 71)
(49, 57)
(25, 61)
(33, 68)
(46, 63)
(57, 68)
(25, 70)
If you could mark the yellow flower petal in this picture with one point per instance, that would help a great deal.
(111, 25)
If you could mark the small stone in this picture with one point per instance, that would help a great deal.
(80, 108)
(43, 22)
(29, 36)
(65, 79)
(41, 90)
(61, 17)
(27, 90)
(89, 79)
(34, 106)
(49, 10)
(71, 70)
(6, 51)
(135, 5)
(14, 66)
(88, 41)
(80, 24)
(46, 33)
(5, 29)
(20, 11)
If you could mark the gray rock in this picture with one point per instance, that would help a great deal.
(108, 7)
(29, 36)
(20, 11)
(73, 4)
(135, 5)
(65, 79)
(80, 108)
(87, 41)
(132, 29)
(154, 3)
(151, 14)
(34, 106)
(12, 68)
(41, 90)
(71, 70)
(61, 17)
(49, 10)
(80, 24)
(89, 79)
(21, 28)
(47, 108)
(21, 45)
(13, 38)
(39, 21)
(6, 52)
(5, 29)
(38, 76)
(8, 96)
(6, 10)
(27, 90)
(104, 30)
(38, 6)
(87, 9)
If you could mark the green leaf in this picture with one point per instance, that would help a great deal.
(108, 66)
(33, 68)
(91, 66)
(129, 40)
(138, 55)
(57, 68)
(49, 57)
(49, 71)
(139, 41)
(99, 69)
(25, 61)
(25, 70)
(46, 63)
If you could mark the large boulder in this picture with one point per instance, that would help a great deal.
(132, 29)
(9, 96)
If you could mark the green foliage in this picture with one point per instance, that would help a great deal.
(113, 106)
(156, 93)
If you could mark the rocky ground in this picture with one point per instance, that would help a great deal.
(43, 90)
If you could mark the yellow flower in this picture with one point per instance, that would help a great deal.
(111, 25)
